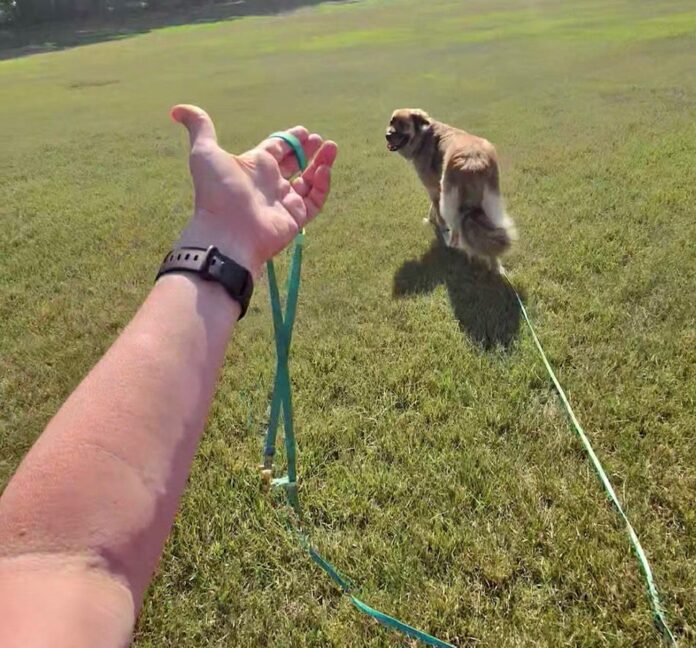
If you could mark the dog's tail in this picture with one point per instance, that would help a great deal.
(488, 229)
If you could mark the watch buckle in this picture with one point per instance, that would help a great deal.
(208, 261)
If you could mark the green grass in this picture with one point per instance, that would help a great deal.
(437, 468)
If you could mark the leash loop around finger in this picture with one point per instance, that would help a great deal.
(294, 144)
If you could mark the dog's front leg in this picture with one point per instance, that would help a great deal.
(434, 217)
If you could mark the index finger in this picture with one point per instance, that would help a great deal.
(283, 152)
(295, 147)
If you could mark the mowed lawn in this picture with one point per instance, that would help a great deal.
(438, 470)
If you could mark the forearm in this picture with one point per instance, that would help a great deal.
(104, 480)
(84, 520)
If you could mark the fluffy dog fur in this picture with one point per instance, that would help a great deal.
(460, 174)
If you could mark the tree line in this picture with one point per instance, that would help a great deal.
(28, 12)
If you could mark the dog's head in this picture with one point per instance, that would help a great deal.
(406, 127)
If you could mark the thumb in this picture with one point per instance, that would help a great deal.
(197, 121)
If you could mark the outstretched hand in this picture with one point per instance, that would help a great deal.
(247, 205)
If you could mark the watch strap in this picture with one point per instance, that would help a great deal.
(211, 265)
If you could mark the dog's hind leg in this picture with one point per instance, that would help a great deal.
(449, 213)
(496, 213)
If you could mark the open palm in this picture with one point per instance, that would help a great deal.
(247, 205)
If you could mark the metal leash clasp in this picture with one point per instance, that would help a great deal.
(266, 472)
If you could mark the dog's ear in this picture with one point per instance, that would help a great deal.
(421, 119)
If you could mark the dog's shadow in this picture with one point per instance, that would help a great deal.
(482, 301)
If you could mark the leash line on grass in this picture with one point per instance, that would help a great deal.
(659, 617)
(281, 401)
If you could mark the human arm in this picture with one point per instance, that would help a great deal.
(84, 519)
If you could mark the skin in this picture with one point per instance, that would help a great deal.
(84, 519)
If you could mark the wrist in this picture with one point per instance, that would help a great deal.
(211, 298)
(206, 229)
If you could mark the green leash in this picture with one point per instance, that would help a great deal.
(282, 401)
(658, 613)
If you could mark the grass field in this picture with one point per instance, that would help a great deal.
(438, 470)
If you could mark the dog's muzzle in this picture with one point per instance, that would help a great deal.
(395, 140)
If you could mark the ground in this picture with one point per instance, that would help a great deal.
(437, 468)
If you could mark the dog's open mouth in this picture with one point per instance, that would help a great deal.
(395, 142)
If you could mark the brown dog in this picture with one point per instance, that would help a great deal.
(460, 174)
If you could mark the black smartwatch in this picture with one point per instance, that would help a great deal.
(210, 264)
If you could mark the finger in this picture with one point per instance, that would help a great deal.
(197, 122)
(326, 156)
(279, 148)
(289, 166)
(283, 153)
(315, 199)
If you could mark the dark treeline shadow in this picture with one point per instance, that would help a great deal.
(24, 40)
